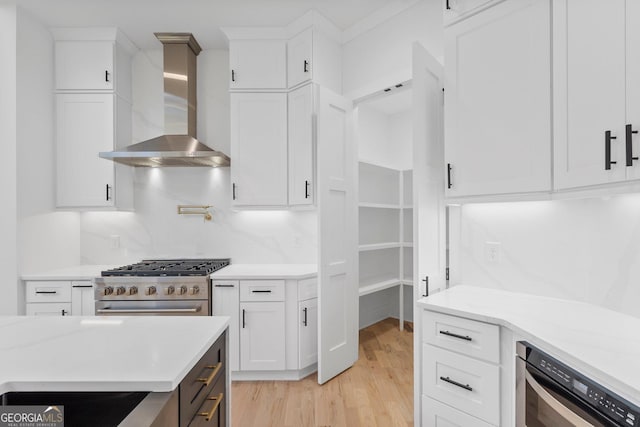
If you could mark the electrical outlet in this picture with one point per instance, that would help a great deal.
(493, 252)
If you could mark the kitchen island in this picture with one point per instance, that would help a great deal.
(161, 356)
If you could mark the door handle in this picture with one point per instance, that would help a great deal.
(106, 76)
(233, 191)
(306, 189)
(304, 322)
(108, 192)
(306, 66)
(629, 143)
(449, 184)
(607, 150)
(244, 323)
(426, 286)
(233, 75)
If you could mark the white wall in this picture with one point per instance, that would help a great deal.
(155, 229)
(383, 139)
(381, 56)
(586, 250)
(8, 178)
(46, 239)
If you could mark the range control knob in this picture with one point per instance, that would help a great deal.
(120, 290)
(133, 290)
(195, 290)
(151, 290)
(182, 290)
(169, 290)
(107, 291)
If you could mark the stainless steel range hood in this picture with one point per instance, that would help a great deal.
(179, 146)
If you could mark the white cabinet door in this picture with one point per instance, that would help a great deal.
(84, 65)
(226, 302)
(82, 299)
(259, 149)
(436, 414)
(299, 58)
(258, 64)
(301, 153)
(498, 100)
(308, 332)
(49, 309)
(633, 88)
(262, 336)
(456, 9)
(589, 91)
(85, 127)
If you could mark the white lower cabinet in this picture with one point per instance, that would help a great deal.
(59, 298)
(262, 336)
(308, 332)
(226, 302)
(436, 414)
(460, 371)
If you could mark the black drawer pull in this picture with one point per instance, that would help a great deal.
(82, 286)
(224, 286)
(456, 383)
(47, 292)
(260, 291)
(451, 334)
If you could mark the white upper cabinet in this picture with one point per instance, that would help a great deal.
(258, 64)
(259, 149)
(299, 58)
(595, 92)
(301, 157)
(84, 65)
(498, 100)
(457, 9)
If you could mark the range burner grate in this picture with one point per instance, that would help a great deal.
(170, 267)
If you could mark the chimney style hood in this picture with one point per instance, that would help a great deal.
(179, 146)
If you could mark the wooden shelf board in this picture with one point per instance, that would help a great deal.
(378, 205)
(378, 246)
(369, 289)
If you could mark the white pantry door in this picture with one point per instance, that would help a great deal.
(337, 236)
(429, 220)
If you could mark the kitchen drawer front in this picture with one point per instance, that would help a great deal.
(261, 290)
(307, 289)
(48, 291)
(470, 385)
(49, 309)
(469, 337)
(436, 414)
(214, 406)
(201, 380)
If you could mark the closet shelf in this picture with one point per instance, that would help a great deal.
(375, 287)
(378, 246)
(378, 205)
(407, 244)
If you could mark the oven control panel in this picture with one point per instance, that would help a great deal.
(621, 411)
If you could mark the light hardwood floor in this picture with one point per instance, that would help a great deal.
(376, 391)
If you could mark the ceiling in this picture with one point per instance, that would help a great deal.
(139, 19)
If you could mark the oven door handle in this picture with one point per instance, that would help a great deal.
(560, 409)
(108, 310)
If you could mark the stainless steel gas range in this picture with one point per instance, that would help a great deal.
(169, 287)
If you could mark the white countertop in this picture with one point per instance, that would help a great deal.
(603, 344)
(78, 272)
(143, 353)
(266, 271)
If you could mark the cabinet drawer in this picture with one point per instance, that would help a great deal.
(212, 411)
(436, 414)
(262, 290)
(48, 309)
(201, 380)
(307, 289)
(462, 382)
(48, 291)
(469, 337)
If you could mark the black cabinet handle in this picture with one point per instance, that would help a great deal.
(449, 175)
(47, 292)
(224, 286)
(233, 75)
(461, 337)
(108, 192)
(64, 312)
(304, 322)
(260, 291)
(447, 5)
(82, 286)
(243, 320)
(456, 383)
(629, 143)
(306, 189)
(607, 150)
(233, 191)
(306, 66)
(106, 76)
(426, 286)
